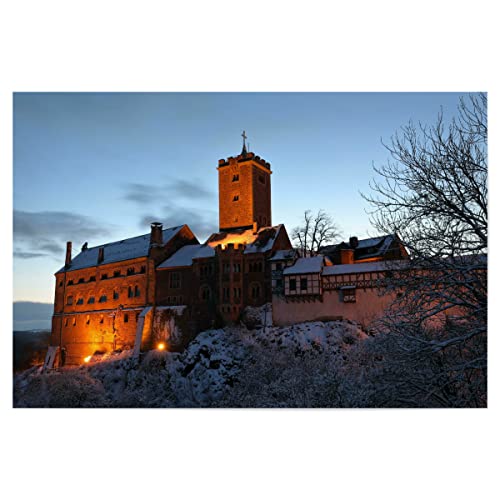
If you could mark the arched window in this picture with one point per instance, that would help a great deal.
(205, 293)
(255, 290)
(116, 295)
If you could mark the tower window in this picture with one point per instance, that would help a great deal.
(116, 295)
(262, 179)
(175, 280)
(236, 177)
(236, 197)
(125, 318)
(137, 291)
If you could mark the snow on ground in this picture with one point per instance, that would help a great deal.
(200, 376)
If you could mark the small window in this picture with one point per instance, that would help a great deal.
(91, 300)
(236, 197)
(237, 267)
(236, 177)
(143, 269)
(255, 291)
(103, 298)
(79, 302)
(130, 292)
(130, 271)
(101, 319)
(349, 294)
(104, 276)
(116, 295)
(175, 280)
(66, 322)
(262, 179)
(70, 282)
(117, 274)
(74, 321)
(303, 284)
(137, 291)
(60, 283)
(125, 318)
(81, 280)
(293, 284)
(69, 300)
(88, 320)
(92, 278)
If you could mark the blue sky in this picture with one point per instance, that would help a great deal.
(99, 167)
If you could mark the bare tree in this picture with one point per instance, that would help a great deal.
(433, 193)
(316, 231)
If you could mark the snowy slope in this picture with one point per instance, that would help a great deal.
(214, 367)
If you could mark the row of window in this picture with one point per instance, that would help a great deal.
(226, 267)
(104, 276)
(176, 300)
(206, 270)
(293, 284)
(101, 319)
(132, 292)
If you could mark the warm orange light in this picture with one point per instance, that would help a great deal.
(87, 359)
(223, 246)
(161, 346)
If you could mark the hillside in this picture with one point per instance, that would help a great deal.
(294, 366)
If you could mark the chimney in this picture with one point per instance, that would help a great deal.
(156, 238)
(347, 256)
(254, 228)
(353, 242)
(68, 254)
(100, 257)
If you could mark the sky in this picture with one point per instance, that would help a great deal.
(95, 168)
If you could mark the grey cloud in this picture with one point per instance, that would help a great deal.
(144, 194)
(201, 222)
(42, 234)
(28, 255)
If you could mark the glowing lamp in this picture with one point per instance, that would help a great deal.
(87, 359)
(223, 246)
(161, 346)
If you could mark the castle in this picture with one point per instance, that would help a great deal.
(160, 289)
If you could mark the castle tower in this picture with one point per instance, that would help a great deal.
(244, 191)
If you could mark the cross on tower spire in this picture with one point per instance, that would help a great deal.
(244, 150)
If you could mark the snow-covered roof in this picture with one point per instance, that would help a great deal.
(284, 254)
(363, 267)
(265, 239)
(130, 248)
(259, 242)
(185, 256)
(366, 248)
(306, 265)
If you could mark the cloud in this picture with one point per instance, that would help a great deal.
(201, 222)
(146, 194)
(42, 234)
